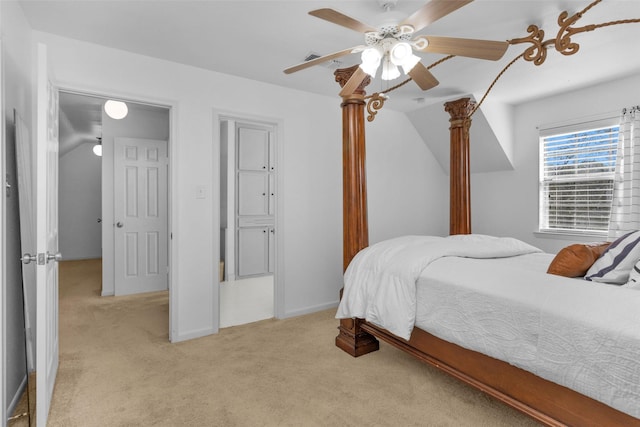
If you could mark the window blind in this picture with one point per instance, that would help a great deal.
(576, 179)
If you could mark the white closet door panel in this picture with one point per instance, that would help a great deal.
(253, 247)
(252, 193)
(253, 149)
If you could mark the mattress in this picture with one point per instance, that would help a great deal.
(579, 334)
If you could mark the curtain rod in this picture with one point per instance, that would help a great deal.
(631, 110)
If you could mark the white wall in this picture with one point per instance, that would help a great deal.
(16, 93)
(79, 204)
(312, 206)
(506, 203)
(408, 191)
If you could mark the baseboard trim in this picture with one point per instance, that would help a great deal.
(192, 335)
(311, 309)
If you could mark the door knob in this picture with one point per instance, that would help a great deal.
(28, 258)
(119, 224)
(54, 257)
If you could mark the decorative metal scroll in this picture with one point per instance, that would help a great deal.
(536, 53)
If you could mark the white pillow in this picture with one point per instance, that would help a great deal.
(616, 263)
(634, 277)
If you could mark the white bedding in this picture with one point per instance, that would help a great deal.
(583, 335)
(380, 282)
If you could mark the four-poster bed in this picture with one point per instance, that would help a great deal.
(544, 400)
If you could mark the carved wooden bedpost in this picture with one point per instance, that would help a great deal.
(354, 203)
(459, 173)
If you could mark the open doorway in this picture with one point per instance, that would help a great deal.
(114, 191)
(249, 192)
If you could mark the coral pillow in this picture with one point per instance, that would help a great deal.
(575, 260)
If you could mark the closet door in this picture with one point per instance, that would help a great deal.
(253, 196)
(253, 251)
(256, 200)
(253, 149)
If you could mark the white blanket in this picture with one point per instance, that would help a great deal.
(580, 334)
(380, 282)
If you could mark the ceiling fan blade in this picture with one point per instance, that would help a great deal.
(471, 48)
(423, 77)
(320, 60)
(354, 81)
(432, 11)
(341, 19)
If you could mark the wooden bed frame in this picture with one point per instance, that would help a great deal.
(543, 400)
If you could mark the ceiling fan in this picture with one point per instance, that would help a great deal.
(392, 44)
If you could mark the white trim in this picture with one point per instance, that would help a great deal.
(567, 126)
(174, 319)
(580, 237)
(3, 275)
(563, 139)
(312, 309)
(197, 333)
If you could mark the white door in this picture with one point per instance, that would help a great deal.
(140, 214)
(46, 238)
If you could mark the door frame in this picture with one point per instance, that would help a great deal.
(220, 116)
(172, 181)
(3, 273)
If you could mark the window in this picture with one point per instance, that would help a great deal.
(577, 164)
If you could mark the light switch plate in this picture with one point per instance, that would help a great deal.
(201, 192)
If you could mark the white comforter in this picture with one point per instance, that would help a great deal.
(380, 282)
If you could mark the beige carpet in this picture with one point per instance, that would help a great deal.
(117, 368)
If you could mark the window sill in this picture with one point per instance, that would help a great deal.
(569, 235)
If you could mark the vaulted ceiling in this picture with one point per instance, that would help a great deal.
(258, 39)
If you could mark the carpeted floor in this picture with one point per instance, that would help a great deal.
(117, 368)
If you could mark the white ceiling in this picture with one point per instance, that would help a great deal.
(258, 39)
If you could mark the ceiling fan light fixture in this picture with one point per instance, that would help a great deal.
(389, 70)
(370, 61)
(409, 63)
(400, 53)
(97, 149)
(116, 109)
